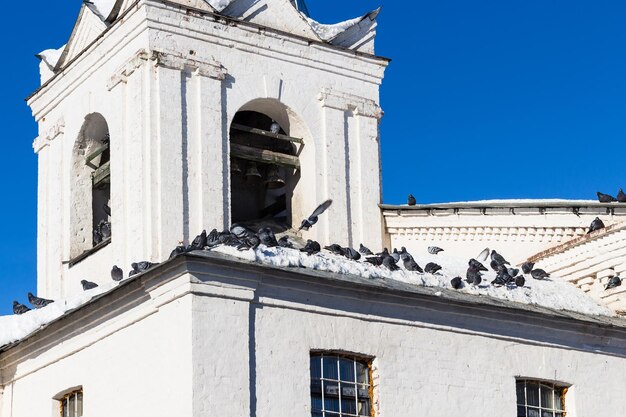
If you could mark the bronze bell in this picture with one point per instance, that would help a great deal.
(235, 166)
(274, 180)
(252, 171)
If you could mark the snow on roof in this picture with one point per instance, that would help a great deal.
(219, 5)
(530, 203)
(103, 7)
(554, 294)
(327, 32)
(51, 56)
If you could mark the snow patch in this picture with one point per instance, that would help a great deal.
(219, 5)
(555, 293)
(51, 56)
(103, 7)
(327, 32)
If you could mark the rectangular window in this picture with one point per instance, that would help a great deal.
(341, 385)
(540, 399)
(72, 404)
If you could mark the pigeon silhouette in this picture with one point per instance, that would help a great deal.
(284, 242)
(200, 241)
(539, 274)
(275, 128)
(311, 247)
(477, 265)
(495, 256)
(473, 276)
(179, 250)
(375, 260)
(384, 253)
(240, 231)
(213, 239)
(621, 196)
(351, 254)
(411, 200)
(364, 250)
(267, 237)
(411, 265)
(434, 250)
(249, 242)
(596, 224)
(513, 272)
(605, 198)
(312, 219)
(38, 302)
(97, 237)
(87, 285)
(335, 249)
(494, 265)
(139, 267)
(116, 273)
(527, 267)
(390, 263)
(19, 309)
(520, 281)
(105, 229)
(456, 283)
(431, 268)
(395, 255)
(614, 281)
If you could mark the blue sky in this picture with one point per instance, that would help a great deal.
(488, 99)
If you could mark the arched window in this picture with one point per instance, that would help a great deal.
(91, 187)
(265, 169)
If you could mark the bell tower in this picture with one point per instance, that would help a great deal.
(161, 118)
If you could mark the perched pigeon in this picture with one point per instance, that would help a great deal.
(275, 127)
(97, 237)
(473, 275)
(614, 281)
(364, 250)
(411, 265)
(335, 249)
(411, 200)
(597, 224)
(539, 274)
(395, 255)
(139, 267)
(494, 265)
(240, 231)
(621, 196)
(605, 198)
(180, 249)
(482, 256)
(200, 241)
(520, 281)
(527, 267)
(351, 254)
(500, 280)
(513, 272)
(495, 256)
(375, 260)
(249, 242)
(404, 254)
(87, 285)
(267, 237)
(312, 219)
(431, 268)
(116, 273)
(477, 265)
(284, 242)
(228, 239)
(384, 253)
(105, 229)
(311, 247)
(19, 308)
(434, 250)
(456, 283)
(213, 239)
(38, 302)
(390, 263)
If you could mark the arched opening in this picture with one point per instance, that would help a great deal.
(264, 165)
(91, 186)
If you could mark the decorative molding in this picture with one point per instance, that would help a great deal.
(345, 101)
(44, 140)
(211, 68)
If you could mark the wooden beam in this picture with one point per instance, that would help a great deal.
(263, 156)
(102, 175)
(265, 133)
(95, 154)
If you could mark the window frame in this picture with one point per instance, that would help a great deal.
(64, 401)
(555, 387)
(366, 361)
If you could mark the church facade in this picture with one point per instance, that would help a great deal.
(161, 118)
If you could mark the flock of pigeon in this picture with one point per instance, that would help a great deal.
(244, 238)
(607, 198)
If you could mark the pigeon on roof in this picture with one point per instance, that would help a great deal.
(38, 302)
(621, 196)
(596, 224)
(605, 198)
(19, 308)
(88, 285)
(116, 273)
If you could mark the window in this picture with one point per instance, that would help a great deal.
(72, 404)
(540, 399)
(340, 385)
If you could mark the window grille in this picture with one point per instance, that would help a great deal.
(340, 386)
(72, 404)
(540, 399)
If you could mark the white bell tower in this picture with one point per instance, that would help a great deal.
(161, 118)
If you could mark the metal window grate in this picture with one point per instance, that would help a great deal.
(340, 386)
(72, 404)
(540, 399)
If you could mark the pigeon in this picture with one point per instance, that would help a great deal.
(38, 302)
(411, 200)
(227, 238)
(473, 275)
(539, 274)
(312, 219)
(597, 224)
(434, 250)
(395, 255)
(97, 237)
(212, 239)
(431, 268)
(495, 256)
(107, 209)
(274, 127)
(621, 196)
(139, 267)
(335, 249)
(200, 241)
(513, 272)
(520, 281)
(351, 254)
(87, 285)
(241, 231)
(178, 250)
(527, 267)
(390, 263)
(105, 229)
(267, 237)
(614, 281)
(116, 273)
(375, 260)
(605, 198)
(384, 253)
(364, 250)
(456, 283)
(404, 254)
(503, 277)
(494, 265)
(19, 308)
(249, 242)
(482, 256)
(284, 242)
(477, 265)
(311, 247)
(411, 265)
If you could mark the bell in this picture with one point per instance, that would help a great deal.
(252, 171)
(235, 166)
(274, 180)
